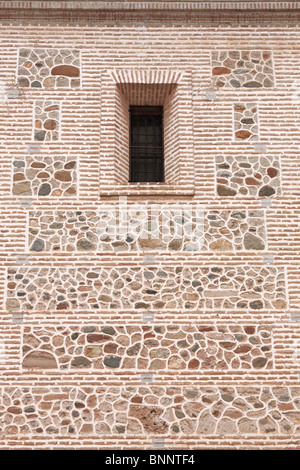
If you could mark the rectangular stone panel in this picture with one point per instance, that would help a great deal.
(46, 120)
(257, 176)
(143, 288)
(84, 231)
(242, 69)
(150, 409)
(48, 68)
(245, 122)
(147, 348)
(36, 175)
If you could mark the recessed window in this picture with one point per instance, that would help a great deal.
(146, 133)
(146, 144)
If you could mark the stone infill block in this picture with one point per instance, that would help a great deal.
(145, 288)
(295, 316)
(48, 68)
(104, 230)
(43, 176)
(151, 410)
(147, 348)
(158, 443)
(268, 258)
(255, 176)
(242, 69)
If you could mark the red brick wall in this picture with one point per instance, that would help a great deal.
(76, 340)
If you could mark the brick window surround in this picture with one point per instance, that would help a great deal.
(173, 91)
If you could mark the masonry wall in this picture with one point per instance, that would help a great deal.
(113, 341)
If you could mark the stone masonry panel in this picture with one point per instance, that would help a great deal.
(47, 120)
(242, 69)
(186, 347)
(85, 231)
(153, 410)
(48, 68)
(248, 176)
(36, 175)
(42, 289)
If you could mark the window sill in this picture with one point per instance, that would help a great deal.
(147, 189)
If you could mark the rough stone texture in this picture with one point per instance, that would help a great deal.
(42, 289)
(248, 176)
(40, 176)
(185, 347)
(88, 313)
(245, 122)
(154, 410)
(48, 68)
(39, 360)
(156, 230)
(242, 69)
